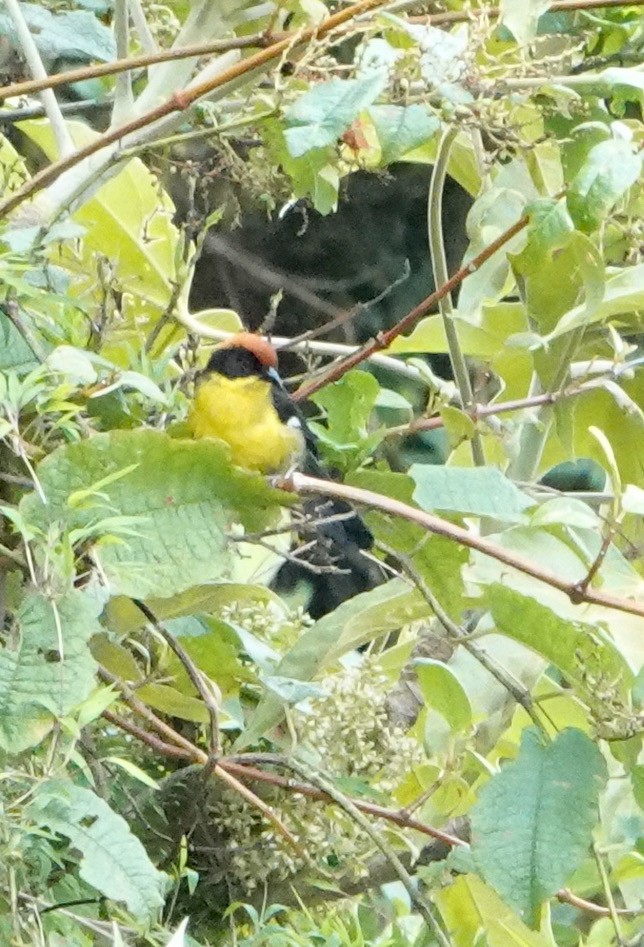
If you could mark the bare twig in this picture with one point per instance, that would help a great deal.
(384, 339)
(303, 484)
(265, 39)
(195, 675)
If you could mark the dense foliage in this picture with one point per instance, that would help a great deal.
(455, 757)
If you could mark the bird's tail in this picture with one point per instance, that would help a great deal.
(333, 562)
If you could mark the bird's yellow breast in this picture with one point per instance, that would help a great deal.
(240, 411)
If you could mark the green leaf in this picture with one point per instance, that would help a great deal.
(172, 702)
(521, 17)
(72, 35)
(438, 560)
(548, 229)
(113, 859)
(15, 354)
(584, 653)
(623, 293)
(38, 683)
(401, 128)
(482, 491)
(492, 213)
(179, 498)
(123, 617)
(319, 117)
(571, 270)
(469, 908)
(532, 824)
(289, 690)
(442, 691)
(348, 405)
(129, 222)
(611, 168)
(356, 621)
(314, 175)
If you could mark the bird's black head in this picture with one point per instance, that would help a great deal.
(235, 362)
(243, 355)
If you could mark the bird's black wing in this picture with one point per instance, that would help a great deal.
(338, 550)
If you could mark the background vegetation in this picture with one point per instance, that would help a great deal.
(455, 757)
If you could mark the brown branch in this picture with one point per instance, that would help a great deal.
(479, 411)
(566, 896)
(183, 99)
(397, 816)
(195, 675)
(144, 736)
(138, 707)
(384, 339)
(235, 768)
(262, 41)
(303, 484)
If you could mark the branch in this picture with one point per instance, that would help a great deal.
(239, 767)
(180, 100)
(195, 675)
(313, 347)
(304, 485)
(479, 411)
(384, 339)
(262, 41)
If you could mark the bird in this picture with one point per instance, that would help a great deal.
(240, 399)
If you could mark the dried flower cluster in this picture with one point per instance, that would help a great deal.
(347, 734)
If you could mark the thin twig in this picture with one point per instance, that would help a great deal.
(144, 736)
(265, 39)
(193, 672)
(349, 314)
(480, 411)
(460, 636)
(303, 484)
(384, 339)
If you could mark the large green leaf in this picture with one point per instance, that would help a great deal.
(582, 652)
(482, 491)
(355, 622)
(113, 859)
(46, 668)
(469, 907)
(69, 35)
(439, 561)
(532, 824)
(320, 116)
(127, 222)
(158, 509)
(401, 128)
(611, 167)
